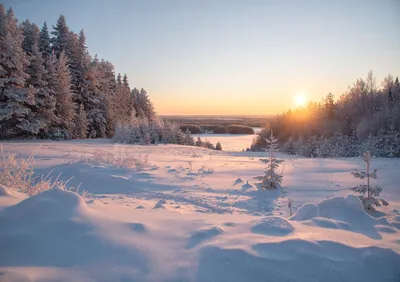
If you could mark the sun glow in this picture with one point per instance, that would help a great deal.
(300, 100)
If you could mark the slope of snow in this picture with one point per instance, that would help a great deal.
(191, 214)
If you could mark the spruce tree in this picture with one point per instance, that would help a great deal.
(31, 35)
(45, 102)
(16, 99)
(60, 83)
(107, 85)
(123, 102)
(143, 106)
(44, 42)
(372, 192)
(61, 39)
(188, 139)
(270, 179)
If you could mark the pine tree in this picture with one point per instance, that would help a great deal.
(270, 179)
(16, 99)
(44, 42)
(372, 192)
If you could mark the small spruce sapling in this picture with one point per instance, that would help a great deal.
(369, 200)
(290, 205)
(218, 146)
(270, 179)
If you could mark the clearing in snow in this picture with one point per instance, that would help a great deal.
(177, 213)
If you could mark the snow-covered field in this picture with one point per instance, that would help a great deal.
(175, 213)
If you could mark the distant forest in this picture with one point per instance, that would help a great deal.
(364, 118)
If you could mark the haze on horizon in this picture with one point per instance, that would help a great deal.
(233, 57)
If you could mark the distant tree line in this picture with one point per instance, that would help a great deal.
(52, 88)
(217, 128)
(364, 118)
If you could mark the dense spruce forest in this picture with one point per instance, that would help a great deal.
(364, 118)
(52, 88)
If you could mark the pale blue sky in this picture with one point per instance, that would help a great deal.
(233, 57)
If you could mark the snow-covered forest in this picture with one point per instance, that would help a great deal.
(52, 88)
(364, 118)
(85, 196)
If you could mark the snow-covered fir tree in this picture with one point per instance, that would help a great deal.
(270, 179)
(61, 40)
(45, 102)
(51, 87)
(31, 35)
(16, 100)
(44, 41)
(107, 88)
(123, 101)
(65, 111)
(368, 193)
(143, 106)
(188, 139)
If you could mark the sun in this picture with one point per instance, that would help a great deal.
(300, 100)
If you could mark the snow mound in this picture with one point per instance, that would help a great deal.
(10, 276)
(56, 229)
(298, 260)
(52, 205)
(200, 236)
(272, 226)
(4, 192)
(346, 209)
(327, 223)
(305, 212)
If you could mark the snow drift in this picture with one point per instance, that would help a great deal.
(55, 229)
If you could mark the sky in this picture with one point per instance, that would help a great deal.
(220, 57)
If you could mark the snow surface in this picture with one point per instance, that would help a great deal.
(192, 214)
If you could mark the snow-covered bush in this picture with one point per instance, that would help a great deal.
(138, 162)
(372, 192)
(17, 174)
(207, 144)
(143, 131)
(271, 179)
(218, 146)
(188, 138)
(204, 144)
